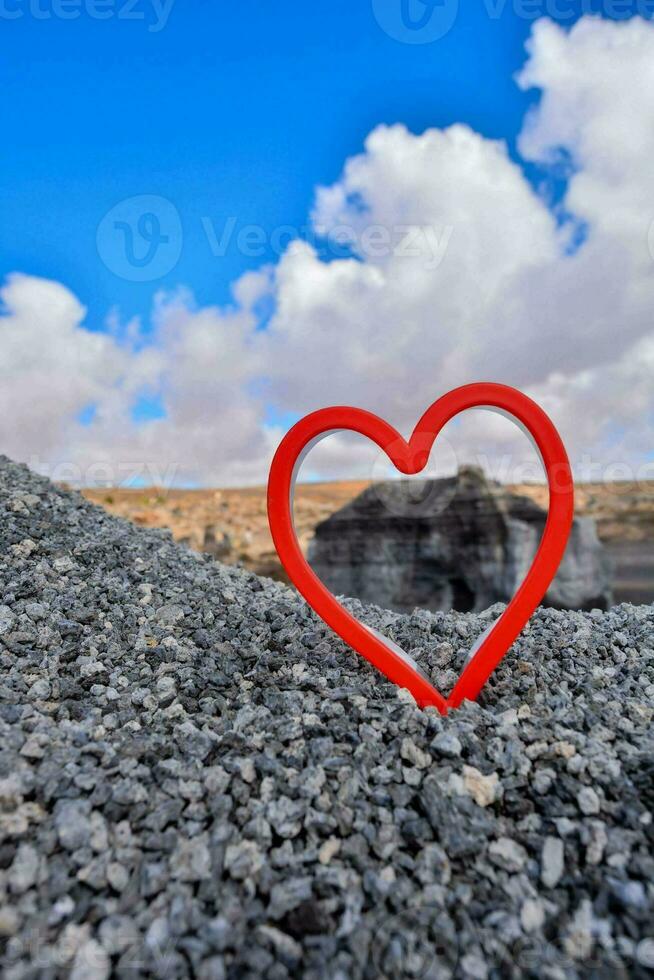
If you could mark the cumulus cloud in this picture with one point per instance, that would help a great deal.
(51, 369)
(459, 270)
(67, 393)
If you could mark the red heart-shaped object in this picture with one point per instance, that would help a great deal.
(411, 457)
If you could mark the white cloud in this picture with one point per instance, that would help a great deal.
(51, 369)
(461, 272)
(393, 332)
(598, 92)
(201, 361)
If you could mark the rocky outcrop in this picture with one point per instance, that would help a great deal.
(216, 543)
(461, 543)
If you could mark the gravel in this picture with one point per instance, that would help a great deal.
(198, 780)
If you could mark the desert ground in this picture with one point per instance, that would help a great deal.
(232, 524)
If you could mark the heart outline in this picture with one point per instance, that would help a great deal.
(411, 458)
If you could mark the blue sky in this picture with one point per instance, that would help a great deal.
(228, 111)
(153, 149)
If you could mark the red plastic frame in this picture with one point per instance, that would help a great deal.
(410, 458)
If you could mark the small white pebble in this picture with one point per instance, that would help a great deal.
(588, 801)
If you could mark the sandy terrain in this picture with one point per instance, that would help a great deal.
(196, 517)
(233, 525)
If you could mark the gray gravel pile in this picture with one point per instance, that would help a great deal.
(198, 780)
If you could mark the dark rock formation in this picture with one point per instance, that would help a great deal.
(218, 547)
(462, 543)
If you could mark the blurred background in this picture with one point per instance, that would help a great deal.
(218, 217)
